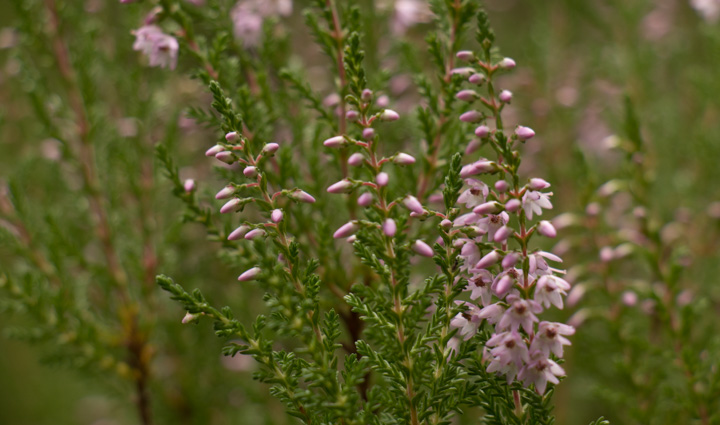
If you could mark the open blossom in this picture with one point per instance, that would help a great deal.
(540, 371)
(248, 17)
(160, 48)
(534, 202)
(549, 338)
(521, 314)
(475, 194)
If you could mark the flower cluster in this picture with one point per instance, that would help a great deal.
(511, 283)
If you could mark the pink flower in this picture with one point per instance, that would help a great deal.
(422, 248)
(467, 322)
(509, 348)
(346, 230)
(475, 194)
(534, 202)
(389, 227)
(540, 371)
(549, 338)
(479, 285)
(250, 274)
(248, 16)
(160, 48)
(550, 290)
(520, 314)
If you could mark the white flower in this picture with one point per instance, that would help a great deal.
(550, 290)
(534, 202)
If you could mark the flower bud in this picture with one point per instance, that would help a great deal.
(335, 142)
(189, 185)
(486, 208)
(301, 196)
(366, 95)
(276, 216)
(226, 157)
(507, 63)
(352, 115)
(250, 274)
(343, 186)
(524, 133)
(473, 146)
(250, 172)
(465, 71)
(214, 150)
(190, 318)
(238, 233)
(225, 192)
(422, 248)
(389, 115)
(365, 199)
(351, 240)
(382, 179)
(404, 159)
(356, 159)
(346, 230)
(510, 260)
(232, 205)
(467, 95)
(513, 205)
(503, 286)
(538, 184)
(446, 224)
(465, 55)
(488, 260)
(502, 234)
(270, 149)
(482, 131)
(546, 229)
(382, 101)
(368, 133)
(232, 137)
(413, 204)
(255, 233)
(471, 116)
(477, 79)
(502, 186)
(505, 96)
(389, 227)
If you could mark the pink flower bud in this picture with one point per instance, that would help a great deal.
(502, 234)
(606, 254)
(510, 260)
(503, 285)
(413, 204)
(343, 186)
(351, 240)
(466, 95)
(189, 185)
(465, 71)
(368, 133)
(276, 216)
(473, 146)
(389, 115)
(546, 229)
(250, 274)
(356, 159)
(232, 137)
(255, 233)
(389, 227)
(352, 115)
(225, 192)
(471, 116)
(382, 179)
(346, 230)
(446, 224)
(513, 205)
(214, 150)
(505, 96)
(502, 186)
(629, 298)
(382, 101)
(482, 131)
(422, 248)
(190, 318)
(226, 157)
(301, 196)
(465, 55)
(366, 95)
(486, 208)
(270, 149)
(250, 172)
(524, 133)
(232, 205)
(404, 159)
(335, 142)
(507, 63)
(238, 233)
(477, 79)
(365, 199)
(488, 260)
(538, 184)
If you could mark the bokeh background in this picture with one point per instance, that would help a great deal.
(577, 62)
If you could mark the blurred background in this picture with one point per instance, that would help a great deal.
(577, 63)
